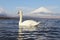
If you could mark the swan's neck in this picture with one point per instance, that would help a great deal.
(21, 14)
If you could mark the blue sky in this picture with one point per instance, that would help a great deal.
(12, 6)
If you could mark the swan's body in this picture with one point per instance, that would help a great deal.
(28, 23)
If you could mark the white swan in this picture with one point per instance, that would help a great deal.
(30, 24)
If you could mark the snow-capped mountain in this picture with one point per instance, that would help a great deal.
(41, 9)
(43, 12)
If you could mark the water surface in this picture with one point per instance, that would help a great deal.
(49, 29)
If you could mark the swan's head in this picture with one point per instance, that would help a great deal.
(20, 12)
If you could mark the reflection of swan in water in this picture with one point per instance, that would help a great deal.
(29, 24)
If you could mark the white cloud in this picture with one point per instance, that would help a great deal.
(2, 10)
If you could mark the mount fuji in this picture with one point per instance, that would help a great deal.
(41, 9)
(42, 12)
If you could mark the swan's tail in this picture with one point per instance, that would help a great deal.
(38, 23)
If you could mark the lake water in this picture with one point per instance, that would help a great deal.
(49, 29)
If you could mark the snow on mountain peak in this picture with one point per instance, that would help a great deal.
(41, 9)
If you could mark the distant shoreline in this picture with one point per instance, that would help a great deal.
(26, 18)
(8, 17)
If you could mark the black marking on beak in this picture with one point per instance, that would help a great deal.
(18, 12)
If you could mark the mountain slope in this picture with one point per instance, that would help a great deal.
(41, 9)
